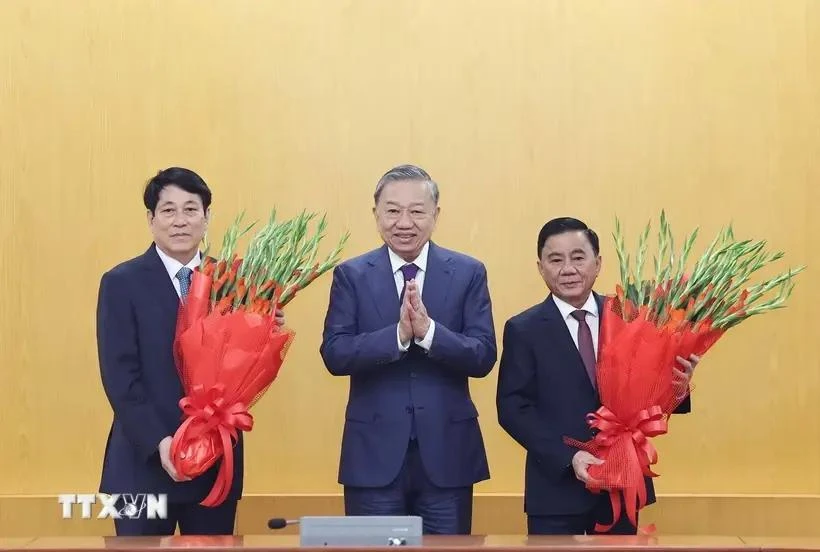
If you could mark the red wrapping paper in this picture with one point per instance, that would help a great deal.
(226, 360)
(644, 327)
(638, 393)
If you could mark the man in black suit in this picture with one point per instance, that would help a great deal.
(136, 320)
(546, 385)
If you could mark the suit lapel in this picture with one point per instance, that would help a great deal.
(600, 300)
(382, 284)
(159, 285)
(437, 280)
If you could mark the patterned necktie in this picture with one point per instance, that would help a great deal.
(409, 271)
(184, 277)
(585, 346)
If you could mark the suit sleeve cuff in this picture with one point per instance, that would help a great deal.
(427, 341)
(403, 347)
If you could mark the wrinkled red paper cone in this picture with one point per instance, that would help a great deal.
(638, 393)
(226, 363)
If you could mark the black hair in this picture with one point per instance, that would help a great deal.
(186, 179)
(566, 224)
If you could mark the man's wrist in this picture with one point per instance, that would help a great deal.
(426, 341)
(403, 345)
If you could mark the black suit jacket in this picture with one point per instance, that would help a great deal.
(544, 394)
(136, 324)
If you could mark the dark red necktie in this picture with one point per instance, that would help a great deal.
(585, 346)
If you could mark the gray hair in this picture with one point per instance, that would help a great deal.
(406, 172)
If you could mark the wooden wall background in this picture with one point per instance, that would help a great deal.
(521, 109)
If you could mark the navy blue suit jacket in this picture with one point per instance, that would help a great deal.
(136, 321)
(388, 388)
(544, 394)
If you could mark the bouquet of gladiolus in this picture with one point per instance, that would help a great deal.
(645, 326)
(228, 345)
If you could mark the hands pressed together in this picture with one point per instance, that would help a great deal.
(413, 318)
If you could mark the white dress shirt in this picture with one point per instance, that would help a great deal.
(173, 266)
(396, 263)
(593, 319)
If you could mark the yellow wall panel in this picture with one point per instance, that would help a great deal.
(522, 111)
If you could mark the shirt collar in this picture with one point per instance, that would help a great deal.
(591, 306)
(173, 265)
(397, 262)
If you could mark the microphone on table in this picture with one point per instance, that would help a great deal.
(281, 523)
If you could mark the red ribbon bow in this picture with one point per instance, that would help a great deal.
(208, 411)
(633, 441)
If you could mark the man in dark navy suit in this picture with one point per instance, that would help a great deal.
(410, 323)
(546, 385)
(136, 321)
